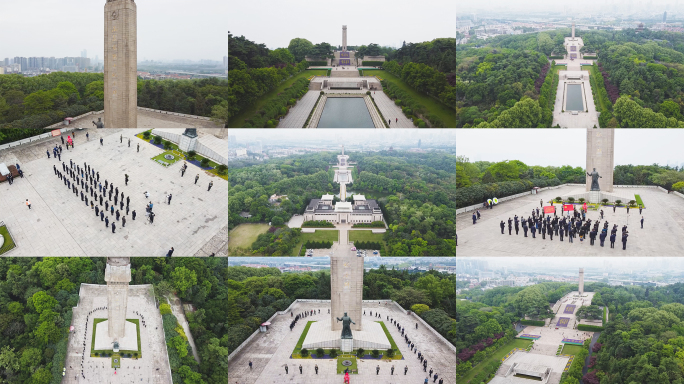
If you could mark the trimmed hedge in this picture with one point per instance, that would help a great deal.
(318, 224)
(317, 63)
(318, 244)
(367, 245)
(590, 328)
(555, 57)
(273, 108)
(538, 323)
(598, 87)
(590, 57)
(375, 224)
(476, 194)
(394, 92)
(575, 370)
(372, 63)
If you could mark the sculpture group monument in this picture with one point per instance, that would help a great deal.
(120, 64)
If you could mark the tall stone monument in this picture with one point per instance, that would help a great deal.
(344, 38)
(346, 294)
(581, 281)
(120, 64)
(117, 276)
(188, 140)
(600, 155)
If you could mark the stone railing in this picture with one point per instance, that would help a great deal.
(678, 194)
(174, 114)
(289, 309)
(33, 139)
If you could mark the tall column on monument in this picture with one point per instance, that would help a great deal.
(117, 276)
(600, 155)
(581, 281)
(573, 29)
(346, 290)
(344, 38)
(120, 64)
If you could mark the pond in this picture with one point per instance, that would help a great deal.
(345, 112)
(574, 98)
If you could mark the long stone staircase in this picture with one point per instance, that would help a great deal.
(315, 86)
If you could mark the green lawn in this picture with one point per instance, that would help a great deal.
(570, 349)
(393, 345)
(239, 120)
(8, 244)
(320, 235)
(110, 351)
(244, 235)
(445, 113)
(353, 369)
(498, 355)
(298, 347)
(160, 157)
(367, 235)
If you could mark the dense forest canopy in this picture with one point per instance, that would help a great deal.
(643, 340)
(37, 296)
(646, 68)
(484, 179)
(420, 187)
(37, 102)
(255, 294)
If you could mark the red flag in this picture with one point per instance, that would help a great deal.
(567, 207)
(584, 207)
(549, 209)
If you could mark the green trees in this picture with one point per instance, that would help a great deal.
(526, 113)
(183, 279)
(300, 47)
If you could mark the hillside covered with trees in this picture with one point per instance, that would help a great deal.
(37, 296)
(40, 101)
(637, 81)
(255, 294)
(480, 180)
(417, 189)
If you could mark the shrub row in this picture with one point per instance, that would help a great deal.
(590, 57)
(486, 373)
(538, 323)
(372, 63)
(410, 106)
(590, 328)
(601, 97)
(367, 245)
(318, 244)
(318, 63)
(555, 57)
(547, 96)
(575, 370)
(478, 193)
(318, 224)
(375, 224)
(267, 117)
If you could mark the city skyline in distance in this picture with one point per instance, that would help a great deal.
(198, 32)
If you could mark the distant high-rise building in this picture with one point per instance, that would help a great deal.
(474, 18)
(84, 53)
(664, 16)
(225, 61)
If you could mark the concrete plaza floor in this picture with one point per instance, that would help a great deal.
(152, 367)
(60, 224)
(662, 235)
(269, 353)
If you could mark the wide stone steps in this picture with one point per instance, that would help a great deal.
(354, 73)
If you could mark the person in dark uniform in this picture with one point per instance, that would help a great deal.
(612, 240)
(196, 177)
(286, 369)
(107, 222)
(211, 184)
(123, 221)
(524, 226)
(534, 231)
(624, 240)
(128, 200)
(640, 208)
(100, 200)
(97, 211)
(101, 215)
(106, 205)
(502, 225)
(510, 226)
(642, 220)
(121, 205)
(316, 368)
(117, 215)
(81, 195)
(133, 214)
(377, 370)
(561, 232)
(549, 228)
(138, 147)
(517, 226)
(614, 208)
(113, 227)
(112, 209)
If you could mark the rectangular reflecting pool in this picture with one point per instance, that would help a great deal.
(574, 98)
(345, 112)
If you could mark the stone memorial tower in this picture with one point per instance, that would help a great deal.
(600, 155)
(346, 290)
(344, 38)
(581, 281)
(120, 64)
(117, 276)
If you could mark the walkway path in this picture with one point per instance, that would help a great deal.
(177, 311)
(391, 111)
(298, 114)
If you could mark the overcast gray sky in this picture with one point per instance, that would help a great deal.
(384, 22)
(352, 136)
(568, 146)
(581, 7)
(167, 29)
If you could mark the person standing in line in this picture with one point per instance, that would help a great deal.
(129, 142)
(121, 138)
(170, 252)
(196, 177)
(101, 215)
(112, 210)
(126, 179)
(113, 227)
(107, 222)
(133, 213)
(62, 137)
(405, 369)
(87, 136)
(117, 215)
(211, 184)
(48, 153)
(123, 221)
(642, 221)
(100, 143)
(28, 203)
(121, 205)
(138, 147)
(624, 240)
(170, 196)
(612, 240)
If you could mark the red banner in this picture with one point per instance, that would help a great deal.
(56, 132)
(584, 207)
(549, 209)
(567, 207)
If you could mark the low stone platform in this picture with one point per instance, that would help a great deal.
(103, 342)
(320, 335)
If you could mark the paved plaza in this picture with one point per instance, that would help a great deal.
(535, 362)
(269, 353)
(581, 119)
(60, 224)
(662, 235)
(153, 367)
